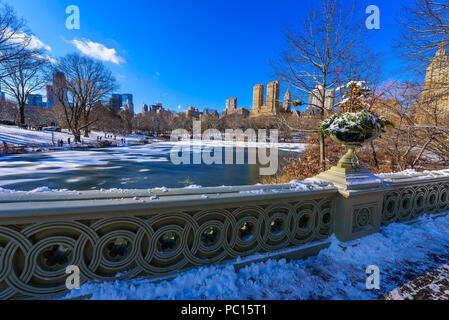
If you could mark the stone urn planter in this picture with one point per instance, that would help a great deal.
(352, 141)
(353, 123)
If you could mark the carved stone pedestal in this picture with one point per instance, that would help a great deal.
(360, 200)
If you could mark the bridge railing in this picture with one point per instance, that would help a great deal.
(152, 233)
(118, 235)
(415, 195)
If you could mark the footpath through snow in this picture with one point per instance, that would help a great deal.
(403, 252)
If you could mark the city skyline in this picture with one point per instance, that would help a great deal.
(155, 62)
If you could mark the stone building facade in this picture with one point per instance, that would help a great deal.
(434, 99)
(272, 105)
(316, 98)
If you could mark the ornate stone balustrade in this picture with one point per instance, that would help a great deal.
(413, 195)
(122, 235)
(157, 233)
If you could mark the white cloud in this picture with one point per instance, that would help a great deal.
(48, 58)
(33, 42)
(97, 51)
(156, 75)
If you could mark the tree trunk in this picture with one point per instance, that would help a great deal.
(86, 129)
(22, 114)
(376, 161)
(322, 152)
(322, 140)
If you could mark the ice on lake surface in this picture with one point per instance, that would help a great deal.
(133, 167)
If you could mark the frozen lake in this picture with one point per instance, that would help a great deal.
(134, 167)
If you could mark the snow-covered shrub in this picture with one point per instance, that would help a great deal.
(354, 114)
(361, 122)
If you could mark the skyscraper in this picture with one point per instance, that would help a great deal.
(116, 102)
(127, 102)
(436, 88)
(57, 90)
(437, 73)
(231, 105)
(50, 95)
(272, 105)
(287, 105)
(122, 102)
(35, 100)
(126, 97)
(156, 107)
(273, 97)
(258, 96)
(316, 98)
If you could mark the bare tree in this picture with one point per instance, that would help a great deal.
(425, 28)
(410, 143)
(127, 117)
(79, 84)
(329, 48)
(14, 39)
(25, 75)
(422, 45)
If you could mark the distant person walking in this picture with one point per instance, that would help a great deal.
(5, 147)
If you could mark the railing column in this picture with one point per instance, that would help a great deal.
(360, 200)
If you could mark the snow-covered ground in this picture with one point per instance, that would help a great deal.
(401, 251)
(16, 136)
(434, 285)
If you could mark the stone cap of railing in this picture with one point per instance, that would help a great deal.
(40, 204)
(413, 177)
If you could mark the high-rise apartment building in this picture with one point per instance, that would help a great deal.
(127, 102)
(437, 73)
(116, 102)
(435, 96)
(156, 107)
(231, 105)
(258, 97)
(316, 99)
(122, 102)
(272, 105)
(35, 100)
(287, 105)
(57, 90)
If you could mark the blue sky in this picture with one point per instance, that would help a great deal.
(182, 53)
